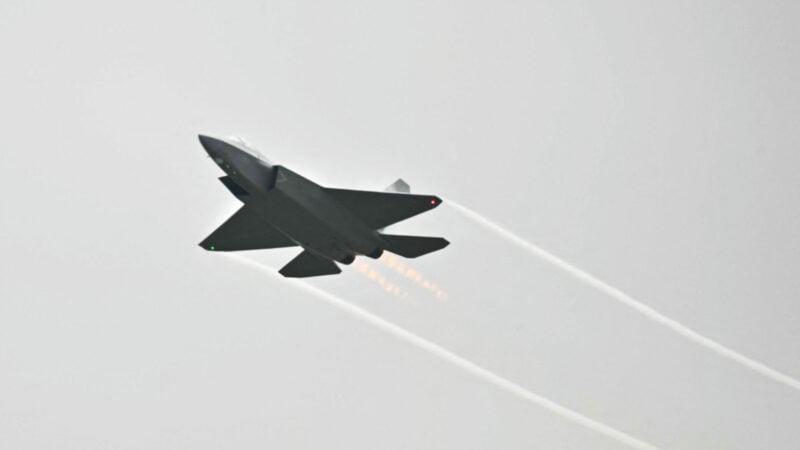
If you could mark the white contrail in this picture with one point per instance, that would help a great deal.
(627, 300)
(449, 356)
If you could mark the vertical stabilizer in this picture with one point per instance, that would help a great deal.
(399, 186)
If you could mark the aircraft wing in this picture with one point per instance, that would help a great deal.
(381, 209)
(244, 230)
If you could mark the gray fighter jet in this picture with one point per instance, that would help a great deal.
(283, 209)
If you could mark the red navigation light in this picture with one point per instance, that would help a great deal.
(433, 201)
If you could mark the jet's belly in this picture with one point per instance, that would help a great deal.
(309, 231)
(303, 211)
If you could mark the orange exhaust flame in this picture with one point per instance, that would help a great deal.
(419, 279)
(381, 280)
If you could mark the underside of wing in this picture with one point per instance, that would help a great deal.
(381, 209)
(244, 230)
(307, 264)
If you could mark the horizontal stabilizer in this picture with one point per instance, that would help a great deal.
(413, 246)
(307, 264)
(244, 230)
(381, 209)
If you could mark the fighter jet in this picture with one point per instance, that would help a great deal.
(283, 209)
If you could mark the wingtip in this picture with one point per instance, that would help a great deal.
(206, 246)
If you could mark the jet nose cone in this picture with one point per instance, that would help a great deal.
(220, 151)
(213, 146)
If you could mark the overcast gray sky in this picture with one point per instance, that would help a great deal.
(653, 144)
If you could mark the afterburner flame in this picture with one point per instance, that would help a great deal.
(380, 280)
(410, 273)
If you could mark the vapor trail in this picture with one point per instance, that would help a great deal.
(449, 356)
(627, 300)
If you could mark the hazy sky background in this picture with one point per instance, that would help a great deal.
(654, 144)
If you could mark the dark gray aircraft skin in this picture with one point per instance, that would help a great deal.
(284, 209)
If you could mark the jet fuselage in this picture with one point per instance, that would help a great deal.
(296, 206)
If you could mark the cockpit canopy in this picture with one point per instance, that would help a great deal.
(242, 144)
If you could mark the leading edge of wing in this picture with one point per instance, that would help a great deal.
(381, 209)
(244, 230)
